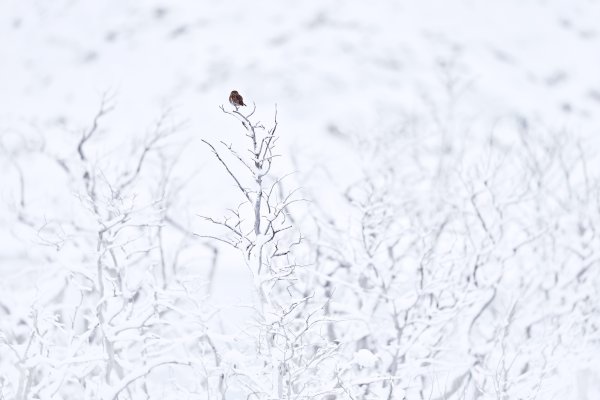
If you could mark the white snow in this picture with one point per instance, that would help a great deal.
(448, 153)
(365, 358)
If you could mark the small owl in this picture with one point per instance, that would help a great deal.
(236, 99)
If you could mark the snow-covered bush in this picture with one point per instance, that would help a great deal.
(449, 268)
(472, 281)
(112, 317)
(284, 336)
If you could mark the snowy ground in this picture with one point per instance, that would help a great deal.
(423, 89)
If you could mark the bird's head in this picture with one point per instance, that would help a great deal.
(234, 92)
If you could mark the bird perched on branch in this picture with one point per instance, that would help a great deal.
(236, 99)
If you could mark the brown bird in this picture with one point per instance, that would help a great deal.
(236, 99)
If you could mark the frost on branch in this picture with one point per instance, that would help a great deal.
(289, 348)
(479, 276)
(110, 318)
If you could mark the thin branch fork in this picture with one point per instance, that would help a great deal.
(150, 144)
(104, 109)
(216, 153)
(235, 153)
(225, 224)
